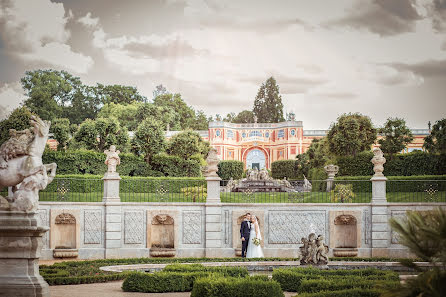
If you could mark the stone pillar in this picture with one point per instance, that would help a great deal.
(214, 222)
(20, 247)
(113, 215)
(379, 210)
(331, 171)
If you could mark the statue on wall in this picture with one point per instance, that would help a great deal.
(112, 159)
(314, 251)
(21, 164)
(378, 161)
(212, 161)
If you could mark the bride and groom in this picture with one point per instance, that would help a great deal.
(251, 237)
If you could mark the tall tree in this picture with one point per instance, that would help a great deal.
(396, 135)
(126, 114)
(201, 121)
(318, 153)
(60, 128)
(118, 94)
(185, 112)
(18, 120)
(229, 117)
(165, 114)
(245, 116)
(268, 106)
(351, 134)
(435, 142)
(186, 144)
(149, 139)
(159, 90)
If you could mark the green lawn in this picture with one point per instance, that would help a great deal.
(278, 197)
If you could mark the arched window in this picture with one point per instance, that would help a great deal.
(218, 133)
(293, 132)
(267, 134)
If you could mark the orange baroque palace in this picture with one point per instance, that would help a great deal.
(260, 144)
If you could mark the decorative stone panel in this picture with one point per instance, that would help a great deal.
(42, 219)
(65, 218)
(288, 227)
(133, 227)
(396, 214)
(92, 227)
(367, 227)
(192, 227)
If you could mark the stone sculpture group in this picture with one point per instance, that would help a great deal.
(314, 251)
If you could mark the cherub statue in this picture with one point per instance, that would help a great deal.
(212, 161)
(112, 159)
(303, 251)
(378, 161)
(322, 251)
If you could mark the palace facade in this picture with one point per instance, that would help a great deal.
(260, 144)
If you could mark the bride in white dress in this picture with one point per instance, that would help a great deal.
(254, 251)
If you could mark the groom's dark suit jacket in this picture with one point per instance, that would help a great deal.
(244, 230)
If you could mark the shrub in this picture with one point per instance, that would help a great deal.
(230, 169)
(217, 286)
(284, 168)
(224, 270)
(175, 166)
(318, 285)
(342, 193)
(160, 282)
(345, 293)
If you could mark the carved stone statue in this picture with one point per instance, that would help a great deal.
(212, 164)
(263, 174)
(331, 170)
(286, 183)
(307, 187)
(21, 163)
(253, 174)
(112, 159)
(314, 251)
(378, 161)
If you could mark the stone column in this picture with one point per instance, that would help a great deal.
(20, 247)
(213, 226)
(331, 171)
(379, 210)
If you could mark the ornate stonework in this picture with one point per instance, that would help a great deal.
(378, 161)
(65, 218)
(345, 220)
(367, 227)
(314, 250)
(92, 226)
(192, 227)
(289, 227)
(331, 170)
(399, 215)
(212, 161)
(42, 219)
(112, 159)
(133, 227)
(162, 219)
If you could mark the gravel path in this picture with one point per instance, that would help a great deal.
(110, 289)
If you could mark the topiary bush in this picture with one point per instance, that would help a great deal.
(230, 169)
(356, 292)
(217, 286)
(284, 168)
(224, 270)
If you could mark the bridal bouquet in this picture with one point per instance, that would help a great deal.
(256, 241)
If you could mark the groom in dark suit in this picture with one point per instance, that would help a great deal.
(245, 228)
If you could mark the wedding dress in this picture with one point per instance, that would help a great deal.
(254, 251)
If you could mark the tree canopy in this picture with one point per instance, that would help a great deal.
(268, 106)
(351, 134)
(149, 139)
(245, 116)
(436, 141)
(396, 135)
(186, 144)
(18, 119)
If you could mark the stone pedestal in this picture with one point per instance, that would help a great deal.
(213, 235)
(20, 247)
(113, 215)
(331, 171)
(380, 218)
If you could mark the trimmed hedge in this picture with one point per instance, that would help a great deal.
(160, 282)
(230, 169)
(284, 168)
(318, 285)
(215, 286)
(76, 280)
(344, 293)
(90, 162)
(224, 270)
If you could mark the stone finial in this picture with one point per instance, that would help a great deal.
(112, 159)
(331, 170)
(212, 161)
(378, 161)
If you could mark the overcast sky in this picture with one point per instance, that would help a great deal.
(384, 58)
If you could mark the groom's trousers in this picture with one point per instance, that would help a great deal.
(245, 247)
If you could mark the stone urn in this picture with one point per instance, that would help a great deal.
(331, 171)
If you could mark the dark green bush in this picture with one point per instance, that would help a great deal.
(87, 279)
(175, 166)
(224, 270)
(357, 292)
(160, 282)
(284, 168)
(217, 286)
(318, 285)
(230, 169)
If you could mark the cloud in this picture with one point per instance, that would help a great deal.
(383, 17)
(88, 21)
(168, 48)
(35, 31)
(11, 95)
(429, 68)
(389, 75)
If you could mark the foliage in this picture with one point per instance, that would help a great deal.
(194, 192)
(159, 90)
(216, 286)
(230, 169)
(424, 233)
(225, 270)
(60, 128)
(351, 134)
(396, 136)
(175, 166)
(268, 106)
(436, 141)
(127, 114)
(201, 121)
(187, 143)
(355, 292)
(99, 134)
(118, 94)
(18, 120)
(317, 176)
(284, 168)
(166, 115)
(243, 117)
(318, 153)
(185, 112)
(149, 139)
(342, 193)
